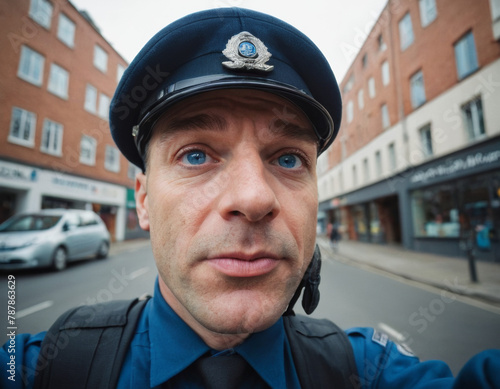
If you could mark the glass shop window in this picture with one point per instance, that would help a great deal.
(435, 212)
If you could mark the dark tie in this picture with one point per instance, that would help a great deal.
(224, 371)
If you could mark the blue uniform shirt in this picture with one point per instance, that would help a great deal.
(164, 346)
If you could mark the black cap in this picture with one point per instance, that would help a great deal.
(224, 48)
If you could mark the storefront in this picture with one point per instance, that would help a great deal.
(24, 188)
(450, 197)
(431, 207)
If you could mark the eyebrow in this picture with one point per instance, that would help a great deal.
(213, 122)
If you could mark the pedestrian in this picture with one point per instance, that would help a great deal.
(334, 237)
(225, 111)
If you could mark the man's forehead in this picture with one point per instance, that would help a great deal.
(214, 110)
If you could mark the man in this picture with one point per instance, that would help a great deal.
(226, 111)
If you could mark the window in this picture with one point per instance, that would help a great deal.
(90, 99)
(474, 121)
(426, 140)
(104, 106)
(52, 138)
(417, 89)
(31, 66)
(87, 150)
(58, 81)
(364, 60)
(406, 31)
(350, 83)
(119, 72)
(378, 164)
(392, 156)
(350, 111)
(354, 176)
(465, 56)
(112, 159)
(386, 122)
(100, 59)
(66, 31)
(382, 46)
(435, 212)
(22, 127)
(385, 73)
(371, 87)
(428, 11)
(366, 170)
(41, 12)
(361, 99)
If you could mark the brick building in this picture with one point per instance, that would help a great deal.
(58, 75)
(417, 161)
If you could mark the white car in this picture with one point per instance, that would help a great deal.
(51, 238)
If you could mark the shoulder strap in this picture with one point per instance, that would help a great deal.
(322, 353)
(86, 346)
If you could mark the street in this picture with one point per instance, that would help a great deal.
(435, 324)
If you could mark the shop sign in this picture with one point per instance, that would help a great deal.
(89, 188)
(18, 173)
(456, 166)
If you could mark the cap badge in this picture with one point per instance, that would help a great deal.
(245, 51)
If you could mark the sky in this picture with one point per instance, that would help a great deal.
(338, 28)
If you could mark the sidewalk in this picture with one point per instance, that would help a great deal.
(443, 272)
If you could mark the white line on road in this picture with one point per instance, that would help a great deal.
(398, 336)
(138, 273)
(33, 309)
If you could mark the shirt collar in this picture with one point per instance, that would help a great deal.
(264, 351)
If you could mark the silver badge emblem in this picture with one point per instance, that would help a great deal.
(245, 51)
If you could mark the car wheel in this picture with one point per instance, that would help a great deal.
(103, 250)
(60, 259)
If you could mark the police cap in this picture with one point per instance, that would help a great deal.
(224, 48)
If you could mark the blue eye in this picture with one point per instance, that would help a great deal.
(195, 157)
(289, 161)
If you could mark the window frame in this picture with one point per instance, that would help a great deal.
(465, 49)
(477, 119)
(32, 59)
(58, 81)
(425, 17)
(55, 134)
(66, 30)
(406, 34)
(114, 165)
(384, 113)
(88, 105)
(417, 89)
(386, 76)
(24, 116)
(100, 58)
(41, 12)
(425, 135)
(91, 160)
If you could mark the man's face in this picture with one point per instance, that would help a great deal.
(230, 199)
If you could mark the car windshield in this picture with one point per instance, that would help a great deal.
(29, 223)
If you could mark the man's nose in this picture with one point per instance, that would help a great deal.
(250, 190)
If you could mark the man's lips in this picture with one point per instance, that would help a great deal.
(238, 265)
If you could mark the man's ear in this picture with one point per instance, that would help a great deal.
(141, 200)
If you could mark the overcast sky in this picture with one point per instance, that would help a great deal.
(337, 27)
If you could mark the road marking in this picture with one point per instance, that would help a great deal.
(138, 273)
(34, 308)
(398, 336)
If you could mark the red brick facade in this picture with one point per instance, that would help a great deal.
(18, 29)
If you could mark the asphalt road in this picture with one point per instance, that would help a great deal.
(435, 324)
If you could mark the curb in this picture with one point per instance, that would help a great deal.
(484, 297)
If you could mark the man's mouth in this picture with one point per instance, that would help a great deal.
(241, 265)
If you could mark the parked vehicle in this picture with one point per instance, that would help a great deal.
(52, 238)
